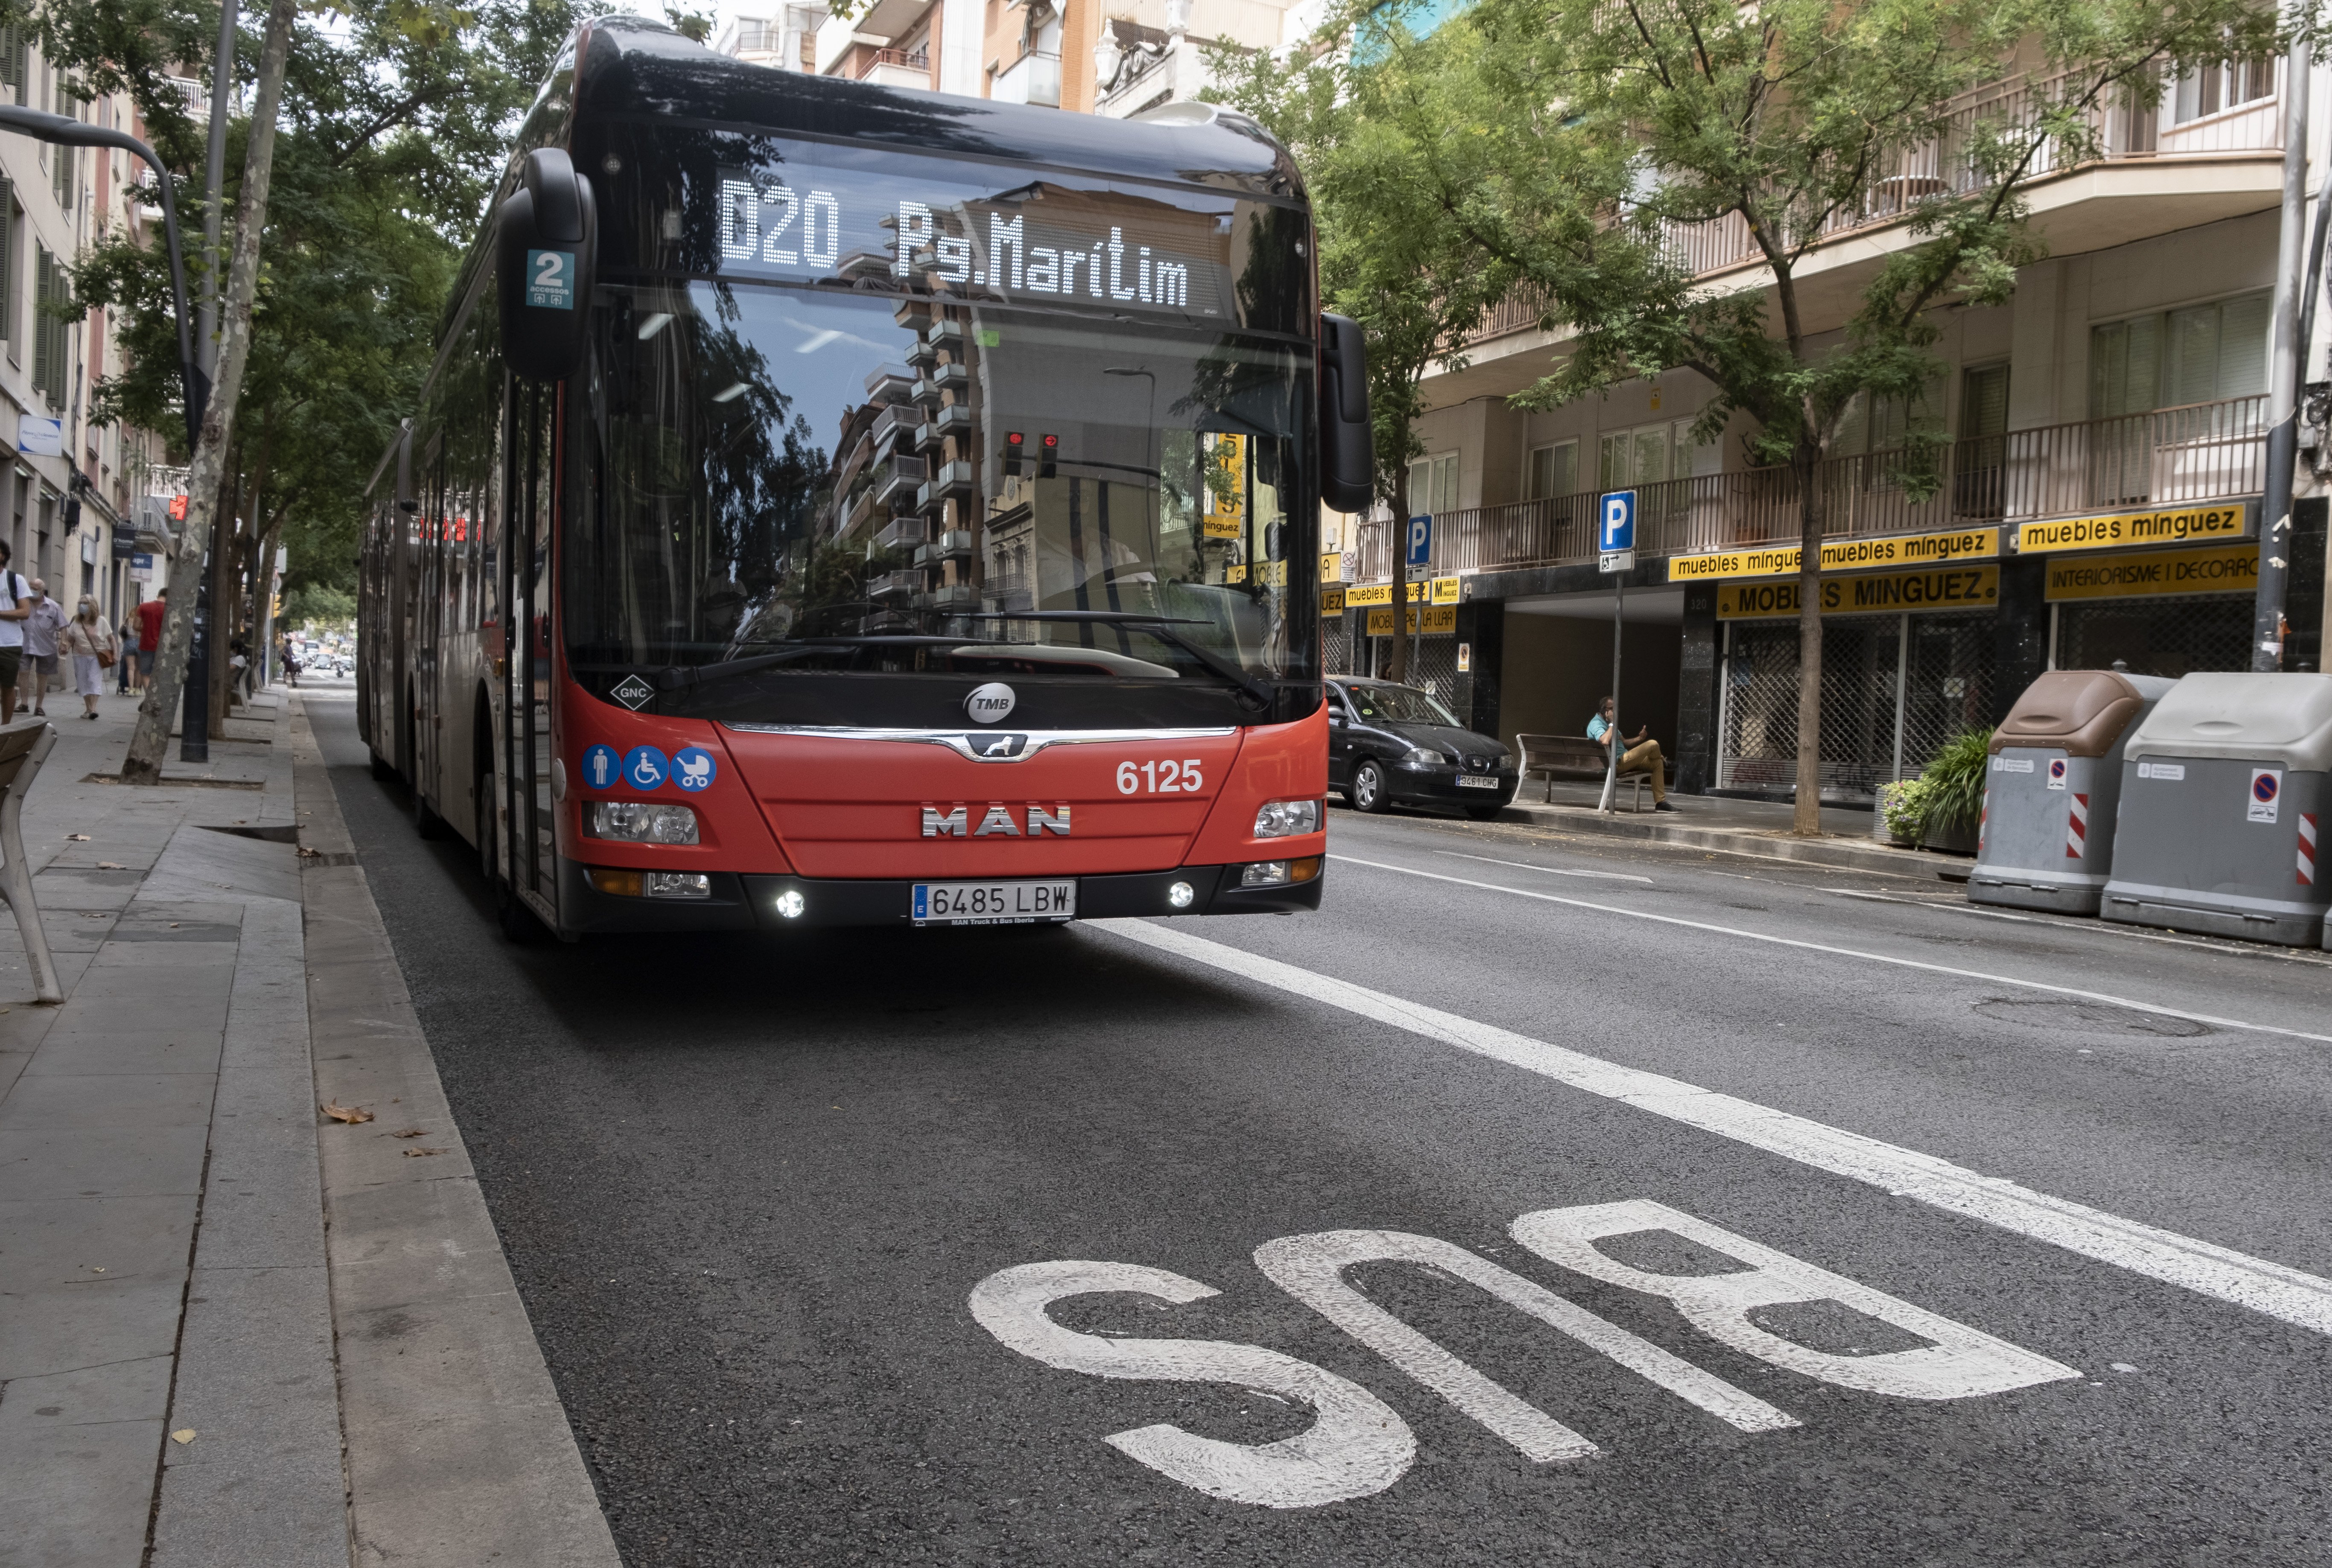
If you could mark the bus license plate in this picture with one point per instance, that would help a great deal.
(1472, 781)
(993, 902)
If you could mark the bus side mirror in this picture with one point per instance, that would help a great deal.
(546, 262)
(407, 501)
(1347, 451)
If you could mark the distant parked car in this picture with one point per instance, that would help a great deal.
(1388, 743)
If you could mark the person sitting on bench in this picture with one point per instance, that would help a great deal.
(1642, 754)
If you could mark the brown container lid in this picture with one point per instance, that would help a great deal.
(2082, 713)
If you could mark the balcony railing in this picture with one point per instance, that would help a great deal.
(2121, 132)
(1034, 78)
(2169, 457)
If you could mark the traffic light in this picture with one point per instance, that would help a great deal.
(1015, 447)
(1048, 455)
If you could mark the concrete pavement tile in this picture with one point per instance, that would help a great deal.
(74, 1053)
(262, 1204)
(78, 1497)
(394, 1363)
(276, 1511)
(12, 1063)
(56, 1328)
(448, 1491)
(63, 1102)
(126, 1391)
(114, 1162)
(255, 1372)
(409, 1242)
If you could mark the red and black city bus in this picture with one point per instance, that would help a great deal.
(837, 504)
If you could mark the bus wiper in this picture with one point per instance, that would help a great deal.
(1157, 626)
(672, 677)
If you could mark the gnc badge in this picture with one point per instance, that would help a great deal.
(2267, 788)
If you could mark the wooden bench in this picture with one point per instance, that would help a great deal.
(24, 747)
(1552, 756)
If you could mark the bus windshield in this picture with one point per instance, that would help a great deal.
(820, 479)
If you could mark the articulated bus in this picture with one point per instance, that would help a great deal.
(834, 504)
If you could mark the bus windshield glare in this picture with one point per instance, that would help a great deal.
(917, 423)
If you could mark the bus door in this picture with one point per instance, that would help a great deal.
(526, 692)
(428, 617)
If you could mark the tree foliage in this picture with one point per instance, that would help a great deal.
(394, 126)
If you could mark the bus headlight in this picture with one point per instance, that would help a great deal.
(640, 822)
(1286, 818)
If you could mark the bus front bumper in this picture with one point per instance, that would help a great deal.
(761, 903)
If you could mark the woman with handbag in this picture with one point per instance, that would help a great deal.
(94, 648)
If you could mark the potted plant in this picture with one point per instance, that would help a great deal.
(1897, 814)
(1951, 792)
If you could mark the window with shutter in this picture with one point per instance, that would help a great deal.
(2201, 354)
(8, 257)
(42, 369)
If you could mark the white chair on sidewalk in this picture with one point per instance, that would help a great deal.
(24, 747)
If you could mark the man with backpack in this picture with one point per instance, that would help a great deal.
(17, 608)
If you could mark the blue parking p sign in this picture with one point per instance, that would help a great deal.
(1420, 539)
(1617, 526)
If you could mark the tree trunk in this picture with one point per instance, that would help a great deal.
(143, 764)
(1399, 670)
(1805, 463)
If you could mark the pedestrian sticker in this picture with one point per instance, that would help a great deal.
(645, 768)
(2056, 772)
(2267, 790)
(692, 768)
(599, 768)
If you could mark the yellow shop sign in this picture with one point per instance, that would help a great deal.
(1439, 619)
(1959, 587)
(1839, 555)
(2224, 569)
(2170, 525)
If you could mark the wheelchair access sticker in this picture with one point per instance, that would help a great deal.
(2267, 788)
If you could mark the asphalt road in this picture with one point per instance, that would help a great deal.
(761, 1197)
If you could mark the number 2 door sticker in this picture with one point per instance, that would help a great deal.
(1358, 1445)
(1161, 778)
(550, 280)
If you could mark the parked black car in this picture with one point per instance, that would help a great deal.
(1388, 743)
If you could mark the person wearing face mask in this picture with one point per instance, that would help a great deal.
(90, 644)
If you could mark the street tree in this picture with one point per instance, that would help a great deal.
(1584, 146)
(1390, 256)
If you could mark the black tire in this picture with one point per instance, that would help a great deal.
(383, 769)
(1369, 790)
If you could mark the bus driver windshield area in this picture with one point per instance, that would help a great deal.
(933, 416)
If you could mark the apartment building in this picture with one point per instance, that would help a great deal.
(1112, 57)
(68, 499)
(2099, 503)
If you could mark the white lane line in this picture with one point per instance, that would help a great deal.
(2263, 1287)
(2100, 927)
(1822, 947)
(1549, 870)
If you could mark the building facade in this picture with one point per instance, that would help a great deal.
(2099, 501)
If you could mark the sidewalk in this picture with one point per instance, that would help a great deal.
(1721, 824)
(173, 1390)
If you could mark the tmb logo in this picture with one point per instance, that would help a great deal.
(989, 704)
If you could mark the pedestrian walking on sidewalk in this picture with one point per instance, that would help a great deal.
(90, 644)
(125, 640)
(41, 629)
(150, 634)
(18, 594)
(1642, 754)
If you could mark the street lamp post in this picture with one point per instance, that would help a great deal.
(66, 131)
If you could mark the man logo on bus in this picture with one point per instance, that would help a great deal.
(599, 767)
(990, 703)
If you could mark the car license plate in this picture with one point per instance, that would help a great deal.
(1474, 782)
(994, 902)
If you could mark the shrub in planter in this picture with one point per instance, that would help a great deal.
(1900, 805)
(1951, 792)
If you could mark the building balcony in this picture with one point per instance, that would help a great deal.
(894, 584)
(953, 545)
(2189, 456)
(894, 428)
(896, 485)
(952, 377)
(923, 354)
(896, 67)
(1034, 78)
(914, 314)
(885, 620)
(900, 533)
(890, 385)
(953, 479)
(954, 595)
(927, 393)
(955, 419)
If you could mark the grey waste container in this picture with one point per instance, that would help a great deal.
(2052, 787)
(2222, 789)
